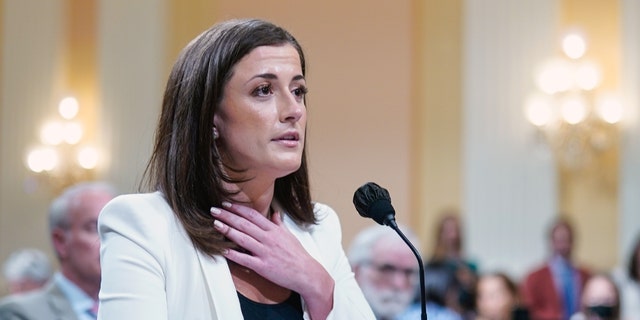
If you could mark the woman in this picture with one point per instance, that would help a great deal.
(600, 299)
(231, 231)
(496, 297)
(448, 251)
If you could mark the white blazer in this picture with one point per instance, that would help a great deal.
(151, 270)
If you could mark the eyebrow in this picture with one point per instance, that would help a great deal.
(273, 76)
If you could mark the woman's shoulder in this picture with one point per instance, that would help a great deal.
(150, 198)
(140, 211)
(136, 202)
(324, 213)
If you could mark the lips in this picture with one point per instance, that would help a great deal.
(289, 136)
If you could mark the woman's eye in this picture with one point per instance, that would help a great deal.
(263, 90)
(300, 91)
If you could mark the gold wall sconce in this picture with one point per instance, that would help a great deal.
(63, 157)
(578, 120)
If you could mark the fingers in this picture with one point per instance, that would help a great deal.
(242, 225)
(241, 258)
(242, 239)
(255, 217)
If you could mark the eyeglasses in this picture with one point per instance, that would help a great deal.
(388, 270)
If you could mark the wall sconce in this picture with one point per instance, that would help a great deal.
(576, 120)
(63, 159)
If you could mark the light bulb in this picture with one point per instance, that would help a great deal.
(72, 132)
(538, 110)
(609, 108)
(554, 76)
(573, 109)
(42, 159)
(587, 76)
(52, 133)
(88, 157)
(68, 108)
(574, 46)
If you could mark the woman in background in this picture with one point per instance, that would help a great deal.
(448, 251)
(230, 231)
(600, 300)
(497, 298)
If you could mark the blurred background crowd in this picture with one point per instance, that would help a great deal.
(455, 288)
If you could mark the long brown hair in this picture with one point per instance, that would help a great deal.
(185, 164)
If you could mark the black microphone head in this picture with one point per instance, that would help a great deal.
(373, 201)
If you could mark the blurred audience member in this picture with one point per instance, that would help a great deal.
(600, 300)
(73, 291)
(448, 250)
(629, 284)
(26, 270)
(386, 269)
(552, 292)
(440, 286)
(497, 298)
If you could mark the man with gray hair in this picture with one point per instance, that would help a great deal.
(26, 270)
(386, 269)
(73, 291)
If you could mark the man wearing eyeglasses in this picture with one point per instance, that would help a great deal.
(386, 270)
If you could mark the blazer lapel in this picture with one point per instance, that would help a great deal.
(59, 304)
(304, 237)
(308, 243)
(219, 284)
(223, 299)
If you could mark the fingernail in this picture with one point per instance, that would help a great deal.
(226, 204)
(217, 224)
(225, 252)
(215, 211)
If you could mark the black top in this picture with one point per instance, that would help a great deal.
(288, 309)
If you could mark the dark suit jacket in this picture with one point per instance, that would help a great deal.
(49, 303)
(540, 296)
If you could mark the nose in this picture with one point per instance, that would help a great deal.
(291, 110)
(400, 280)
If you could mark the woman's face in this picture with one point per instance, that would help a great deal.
(262, 117)
(494, 301)
(450, 233)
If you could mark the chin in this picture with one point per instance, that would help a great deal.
(289, 167)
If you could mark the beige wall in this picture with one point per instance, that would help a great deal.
(31, 54)
(437, 115)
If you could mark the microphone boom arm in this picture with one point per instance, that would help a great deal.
(423, 300)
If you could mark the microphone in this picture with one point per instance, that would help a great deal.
(373, 201)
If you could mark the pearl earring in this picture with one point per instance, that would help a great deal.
(216, 135)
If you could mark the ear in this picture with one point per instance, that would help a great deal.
(59, 240)
(357, 271)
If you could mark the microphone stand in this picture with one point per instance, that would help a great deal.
(391, 222)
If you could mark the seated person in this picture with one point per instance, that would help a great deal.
(386, 269)
(600, 300)
(442, 290)
(497, 298)
(26, 270)
(72, 292)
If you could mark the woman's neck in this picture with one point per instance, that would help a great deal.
(255, 195)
